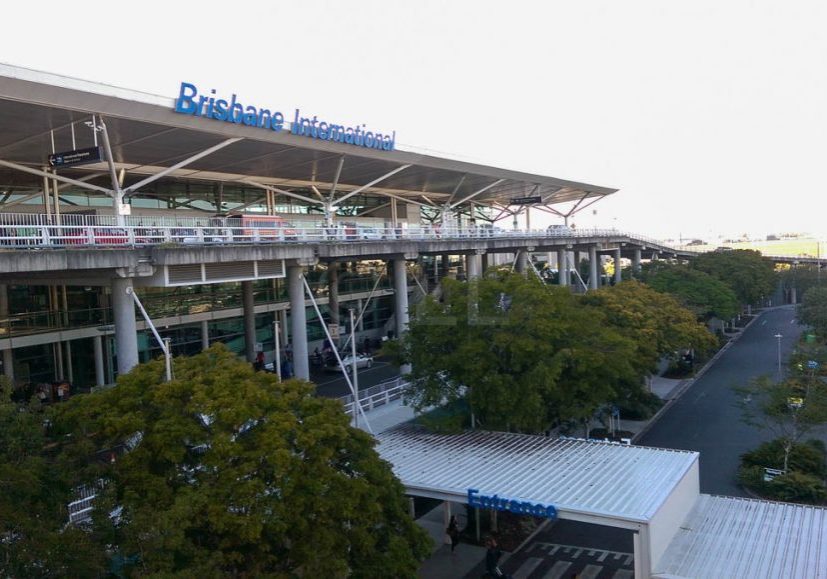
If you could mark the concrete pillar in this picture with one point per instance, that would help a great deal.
(484, 263)
(400, 286)
(248, 305)
(445, 263)
(8, 361)
(70, 371)
(205, 334)
(474, 262)
(522, 262)
(562, 269)
(298, 322)
(618, 277)
(636, 263)
(360, 327)
(594, 278)
(97, 343)
(793, 295)
(126, 331)
(283, 327)
(333, 292)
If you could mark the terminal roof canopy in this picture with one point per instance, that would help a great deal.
(39, 111)
(745, 538)
(626, 483)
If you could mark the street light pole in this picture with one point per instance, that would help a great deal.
(355, 373)
(778, 337)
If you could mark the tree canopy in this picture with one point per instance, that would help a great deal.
(751, 276)
(702, 293)
(656, 322)
(813, 310)
(34, 493)
(226, 472)
(528, 355)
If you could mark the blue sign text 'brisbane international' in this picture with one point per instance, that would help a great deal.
(190, 102)
(520, 507)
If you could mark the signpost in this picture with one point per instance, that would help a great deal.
(76, 157)
(526, 200)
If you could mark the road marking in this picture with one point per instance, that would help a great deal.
(629, 560)
(590, 572)
(527, 567)
(624, 574)
(556, 572)
(591, 553)
(577, 553)
(603, 556)
(763, 322)
(553, 551)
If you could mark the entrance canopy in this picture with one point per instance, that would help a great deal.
(597, 482)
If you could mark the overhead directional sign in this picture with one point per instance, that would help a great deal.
(526, 200)
(76, 157)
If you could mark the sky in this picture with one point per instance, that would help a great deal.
(708, 116)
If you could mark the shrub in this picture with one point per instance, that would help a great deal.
(640, 406)
(805, 458)
(798, 487)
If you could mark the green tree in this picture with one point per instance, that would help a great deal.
(813, 310)
(705, 295)
(790, 409)
(751, 276)
(34, 494)
(655, 322)
(226, 472)
(524, 354)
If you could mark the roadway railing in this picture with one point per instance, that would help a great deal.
(23, 231)
(376, 396)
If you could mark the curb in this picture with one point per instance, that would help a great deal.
(685, 385)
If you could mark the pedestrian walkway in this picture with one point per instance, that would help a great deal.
(443, 564)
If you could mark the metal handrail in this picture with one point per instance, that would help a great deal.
(376, 396)
(21, 231)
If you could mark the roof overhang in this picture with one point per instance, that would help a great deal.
(41, 113)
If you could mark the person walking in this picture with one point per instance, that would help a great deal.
(492, 558)
(453, 532)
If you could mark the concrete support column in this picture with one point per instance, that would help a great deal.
(446, 263)
(793, 295)
(474, 266)
(562, 268)
(8, 365)
(618, 277)
(360, 327)
(100, 375)
(298, 322)
(205, 334)
(126, 330)
(522, 261)
(400, 286)
(484, 263)
(333, 292)
(285, 331)
(248, 305)
(8, 361)
(594, 278)
(636, 263)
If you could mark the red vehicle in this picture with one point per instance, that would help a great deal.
(247, 226)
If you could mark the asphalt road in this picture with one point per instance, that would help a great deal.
(333, 385)
(707, 419)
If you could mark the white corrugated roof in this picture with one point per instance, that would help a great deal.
(734, 537)
(616, 481)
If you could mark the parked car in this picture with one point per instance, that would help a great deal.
(362, 361)
(370, 233)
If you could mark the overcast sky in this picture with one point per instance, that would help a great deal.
(707, 115)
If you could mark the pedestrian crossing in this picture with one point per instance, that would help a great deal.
(552, 561)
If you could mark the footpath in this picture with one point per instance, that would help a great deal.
(466, 562)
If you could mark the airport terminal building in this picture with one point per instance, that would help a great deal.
(214, 212)
(129, 221)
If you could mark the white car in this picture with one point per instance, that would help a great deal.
(362, 361)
